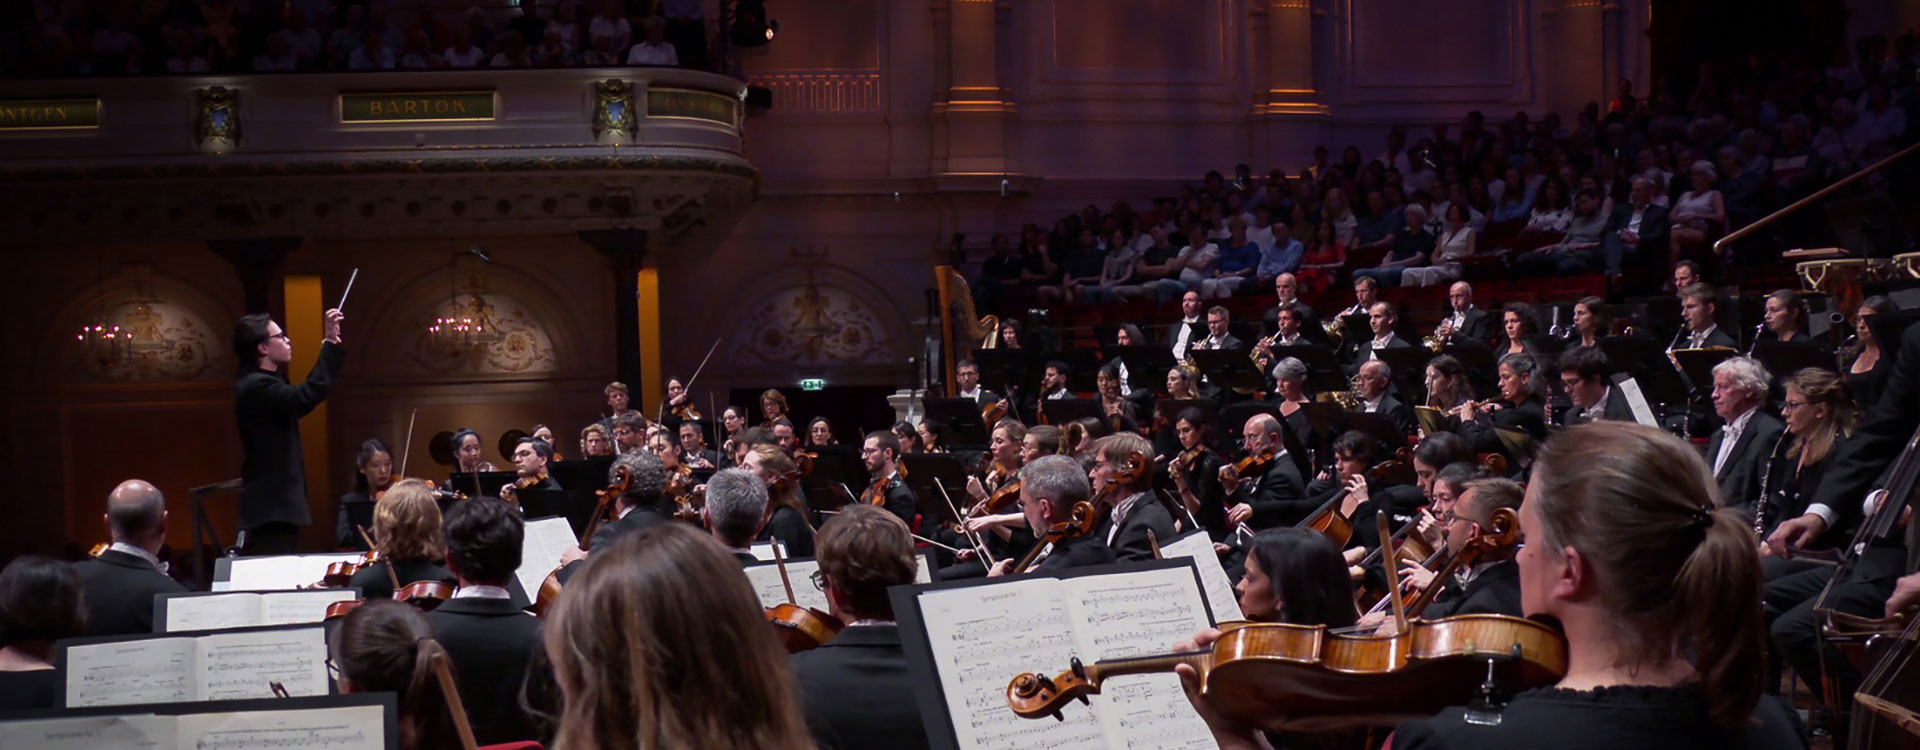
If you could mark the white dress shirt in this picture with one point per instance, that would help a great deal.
(481, 592)
(1729, 435)
(1181, 334)
(139, 552)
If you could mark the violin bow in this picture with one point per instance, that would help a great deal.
(688, 386)
(406, 448)
(781, 561)
(1393, 575)
(979, 547)
(450, 690)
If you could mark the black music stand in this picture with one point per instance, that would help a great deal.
(1000, 368)
(1170, 408)
(481, 483)
(1888, 330)
(1409, 365)
(1147, 366)
(574, 505)
(1784, 358)
(957, 421)
(203, 524)
(1060, 411)
(1381, 428)
(1434, 421)
(834, 467)
(930, 473)
(587, 474)
(1697, 364)
(1084, 365)
(1228, 368)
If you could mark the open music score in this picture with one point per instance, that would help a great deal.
(766, 582)
(540, 549)
(219, 666)
(1214, 583)
(274, 572)
(174, 613)
(980, 636)
(324, 727)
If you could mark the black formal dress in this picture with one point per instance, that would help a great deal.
(1643, 718)
(1739, 475)
(1278, 496)
(119, 588)
(273, 499)
(1078, 552)
(1887, 425)
(353, 505)
(374, 583)
(495, 647)
(1495, 590)
(31, 690)
(1129, 539)
(1204, 481)
(1866, 386)
(857, 693)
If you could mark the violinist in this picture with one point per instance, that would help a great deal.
(909, 436)
(120, 584)
(643, 504)
(1375, 377)
(1130, 335)
(693, 447)
(733, 420)
(530, 459)
(595, 442)
(856, 689)
(736, 504)
(966, 374)
(1491, 586)
(881, 454)
(680, 480)
(373, 472)
(1049, 488)
(617, 406)
(544, 434)
(820, 433)
(406, 534)
(787, 517)
(1658, 595)
(1296, 576)
(1133, 510)
(629, 433)
(773, 407)
(783, 433)
(1520, 407)
(679, 407)
(1053, 381)
(929, 437)
(466, 452)
(1355, 453)
(1195, 473)
(1112, 402)
(1270, 492)
(40, 604)
(490, 642)
(1002, 528)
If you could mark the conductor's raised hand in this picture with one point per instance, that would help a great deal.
(330, 325)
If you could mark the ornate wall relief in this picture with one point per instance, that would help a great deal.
(480, 334)
(158, 341)
(811, 324)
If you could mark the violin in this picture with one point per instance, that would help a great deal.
(1254, 463)
(1003, 500)
(440, 494)
(991, 414)
(686, 411)
(1305, 678)
(799, 628)
(680, 488)
(423, 595)
(1080, 522)
(510, 493)
(550, 586)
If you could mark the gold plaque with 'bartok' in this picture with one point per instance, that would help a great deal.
(21, 114)
(438, 106)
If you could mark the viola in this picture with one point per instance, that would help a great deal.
(1003, 500)
(991, 414)
(426, 595)
(550, 586)
(686, 411)
(1304, 678)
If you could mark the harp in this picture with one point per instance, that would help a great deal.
(962, 329)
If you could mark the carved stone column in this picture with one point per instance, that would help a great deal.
(257, 262)
(626, 250)
(972, 122)
(1287, 109)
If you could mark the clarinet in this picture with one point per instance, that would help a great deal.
(1766, 476)
(1758, 331)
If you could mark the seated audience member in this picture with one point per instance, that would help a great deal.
(736, 501)
(384, 646)
(1698, 216)
(660, 642)
(123, 580)
(856, 689)
(41, 601)
(1410, 246)
(406, 531)
(491, 642)
(1049, 488)
(654, 49)
(1634, 229)
(1578, 251)
(1455, 242)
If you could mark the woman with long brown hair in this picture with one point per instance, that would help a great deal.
(1657, 590)
(660, 643)
(1860, 358)
(787, 511)
(406, 533)
(386, 646)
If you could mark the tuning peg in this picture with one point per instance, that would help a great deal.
(1046, 683)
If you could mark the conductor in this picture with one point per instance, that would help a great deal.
(273, 501)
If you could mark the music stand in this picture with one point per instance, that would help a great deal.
(1060, 411)
(574, 505)
(1147, 366)
(834, 466)
(1543, 347)
(1434, 421)
(1381, 428)
(957, 421)
(480, 483)
(1630, 354)
(202, 523)
(1000, 368)
(1228, 368)
(1889, 328)
(1409, 365)
(1697, 364)
(1324, 373)
(1170, 408)
(1517, 446)
(1084, 366)
(1784, 358)
(586, 474)
(929, 473)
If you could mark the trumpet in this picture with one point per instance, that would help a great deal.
(1335, 329)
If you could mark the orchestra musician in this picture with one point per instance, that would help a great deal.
(1382, 318)
(1657, 593)
(1589, 322)
(120, 584)
(467, 457)
(387, 646)
(629, 430)
(787, 520)
(1286, 289)
(660, 642)
(677, 401)
(372, 473)
(783, 434)
(1004, 534)
(881, 454)
(617, 401)
(733, 419)
(643, 504)
(1183, 384)
(1584, 371)
(1274, 497)
(1129, 334)
(1195, 473)
(1287, 332)
(1740, 448)
(1490, 586)
(1785, 318)
(1290, 398)
(856, 689)
(1010, 333)
(909, 436)
(1686, 273)
(406, 533)
(966, 374)
(1698, 304)
(1819, 415)
(1188, 329)
(820, 433)
(491, 643)
(1049, 488)
(1113, 403)
(273, 499)
(545, 434)
(1375, 377)
(1517, 321)
(693, 447)
(1520, 407)
(40, 604)
(1860, 359)
(1217, 335)
(1135, 510)
(773, 406)
(929, 437)
(736, 503)
(1295, 575)
(530, 458)
(1464, 322)
(1053, 381)
(595, 442)
(1447, 384)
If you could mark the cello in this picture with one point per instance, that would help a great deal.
(550, 586)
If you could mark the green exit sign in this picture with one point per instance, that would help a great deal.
(812, 384)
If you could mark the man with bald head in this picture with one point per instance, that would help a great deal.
(1464, 322)
(1286, 290)
(1275, 495)
(121, 582)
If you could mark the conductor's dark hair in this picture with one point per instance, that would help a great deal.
(248, 333)
(40, 600)
(483, 539)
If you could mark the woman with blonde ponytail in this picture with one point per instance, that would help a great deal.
(1658, 592)
(387, 646)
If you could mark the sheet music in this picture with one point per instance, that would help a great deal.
(240, 665)
(1140, 613)
(981, 638)
(1642, 413)
(348, 728)
(1214, 582)
(89, 732)
(242, 610)
(301, 607)
(546, 539)
(766, 583)
(152, 670)
(763, 551)
(920, 572)
(281, 572)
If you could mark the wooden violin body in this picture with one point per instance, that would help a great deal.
(1253, 464)
(802, 628)
(1294, 678)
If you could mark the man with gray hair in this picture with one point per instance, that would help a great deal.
(637, 508)
(1740, 449)
(1049, 488)
(736, 503)
(119, 584)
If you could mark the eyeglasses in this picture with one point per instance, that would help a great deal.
(819, 578)
(1790, 405)
(282, 336)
